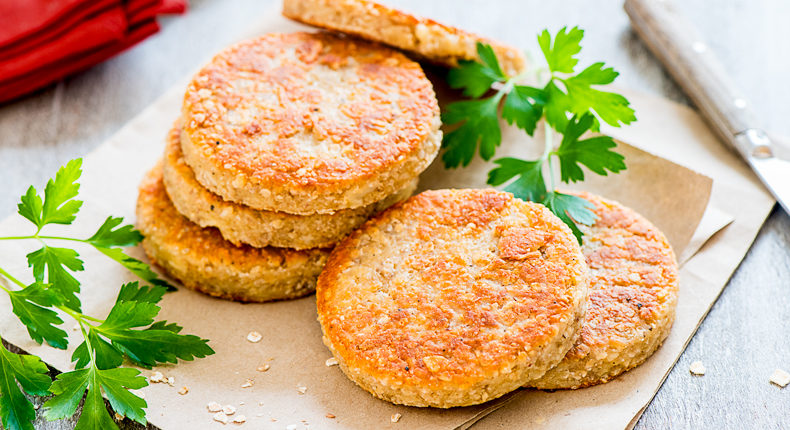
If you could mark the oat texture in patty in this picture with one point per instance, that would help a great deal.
(453, 298)
(202, 260)
(309, 123)
(240, 224)
(633, 295)
(423, 37)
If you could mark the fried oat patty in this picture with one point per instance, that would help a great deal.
(633, 295)
(426, 38)
(243, 225)
(309, 123)
(453, 298)
(202, 260)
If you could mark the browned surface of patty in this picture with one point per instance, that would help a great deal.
(423, 37)
(633, 295)
(453, 297)
(202, 260)
(240, 224)
(309, 122)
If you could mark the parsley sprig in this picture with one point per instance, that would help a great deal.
(128, 332)
(567, 102)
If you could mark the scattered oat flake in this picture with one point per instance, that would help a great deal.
(260, 403)
(241, 403)
(247, 384)
(697, 368)
(156, 377)
(214, 407)
(259, 414)
(240, 419)
(171, 380)
(254, 337)
(780, 378)
(395, 417)
(229, 410)
(183, 390)
(331, 361)
(263, 368)
(221, 418)
(291, 427)
(330, 416)
(301, 389)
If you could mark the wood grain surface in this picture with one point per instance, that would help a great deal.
(744, 338)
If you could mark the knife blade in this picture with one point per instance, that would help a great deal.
(686, 56)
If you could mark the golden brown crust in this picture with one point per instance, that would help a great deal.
(309, 123)
(202, 260)
(243, 225)
(423, 37)
(452, 298)
(633, 295)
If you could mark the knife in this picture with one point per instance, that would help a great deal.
(688, 59)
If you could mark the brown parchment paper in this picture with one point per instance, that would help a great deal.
(291, 342)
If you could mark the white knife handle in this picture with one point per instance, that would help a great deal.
(689, 60)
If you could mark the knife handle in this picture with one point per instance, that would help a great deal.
(691, 63)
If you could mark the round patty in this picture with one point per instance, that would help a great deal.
(453, 298)
(424, 37)
(309, 123)
(633, 295)
(240, 224)
(202, 260)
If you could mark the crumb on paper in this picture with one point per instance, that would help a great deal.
(229, 410)
(247, 384)
(780, 378)
(263, 368)
(697, 368)
(395, 418)
(332, 361)
(260, 403)
(330, 416)
(171, 380)
(156, 377)
(214, 407)
(240, 419)
(183, 390)
(241, 403)
(291, 426)
(254, 337)
(220, 417)
(301, 389)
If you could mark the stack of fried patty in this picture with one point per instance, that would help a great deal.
(286, 143)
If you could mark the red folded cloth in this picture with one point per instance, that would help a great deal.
(48, 42)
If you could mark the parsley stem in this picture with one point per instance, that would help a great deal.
(547, 151)
(36, 236)
(10, 278)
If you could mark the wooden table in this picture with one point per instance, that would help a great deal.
(747, 334)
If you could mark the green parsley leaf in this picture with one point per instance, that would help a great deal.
(139, 268)
(110, 235)
(524, 106)
(556, 107)
(70, 387)
(475, 78)
(479, 125)
(31, 207)
(133, 292)
(152, 346)
(56, 261)
(107, 356)
(59, 206)
(30, 372)
(528, 186)
(595, 153)
(571, 209)
(612, 108)
(560, 55)
(30, 305)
